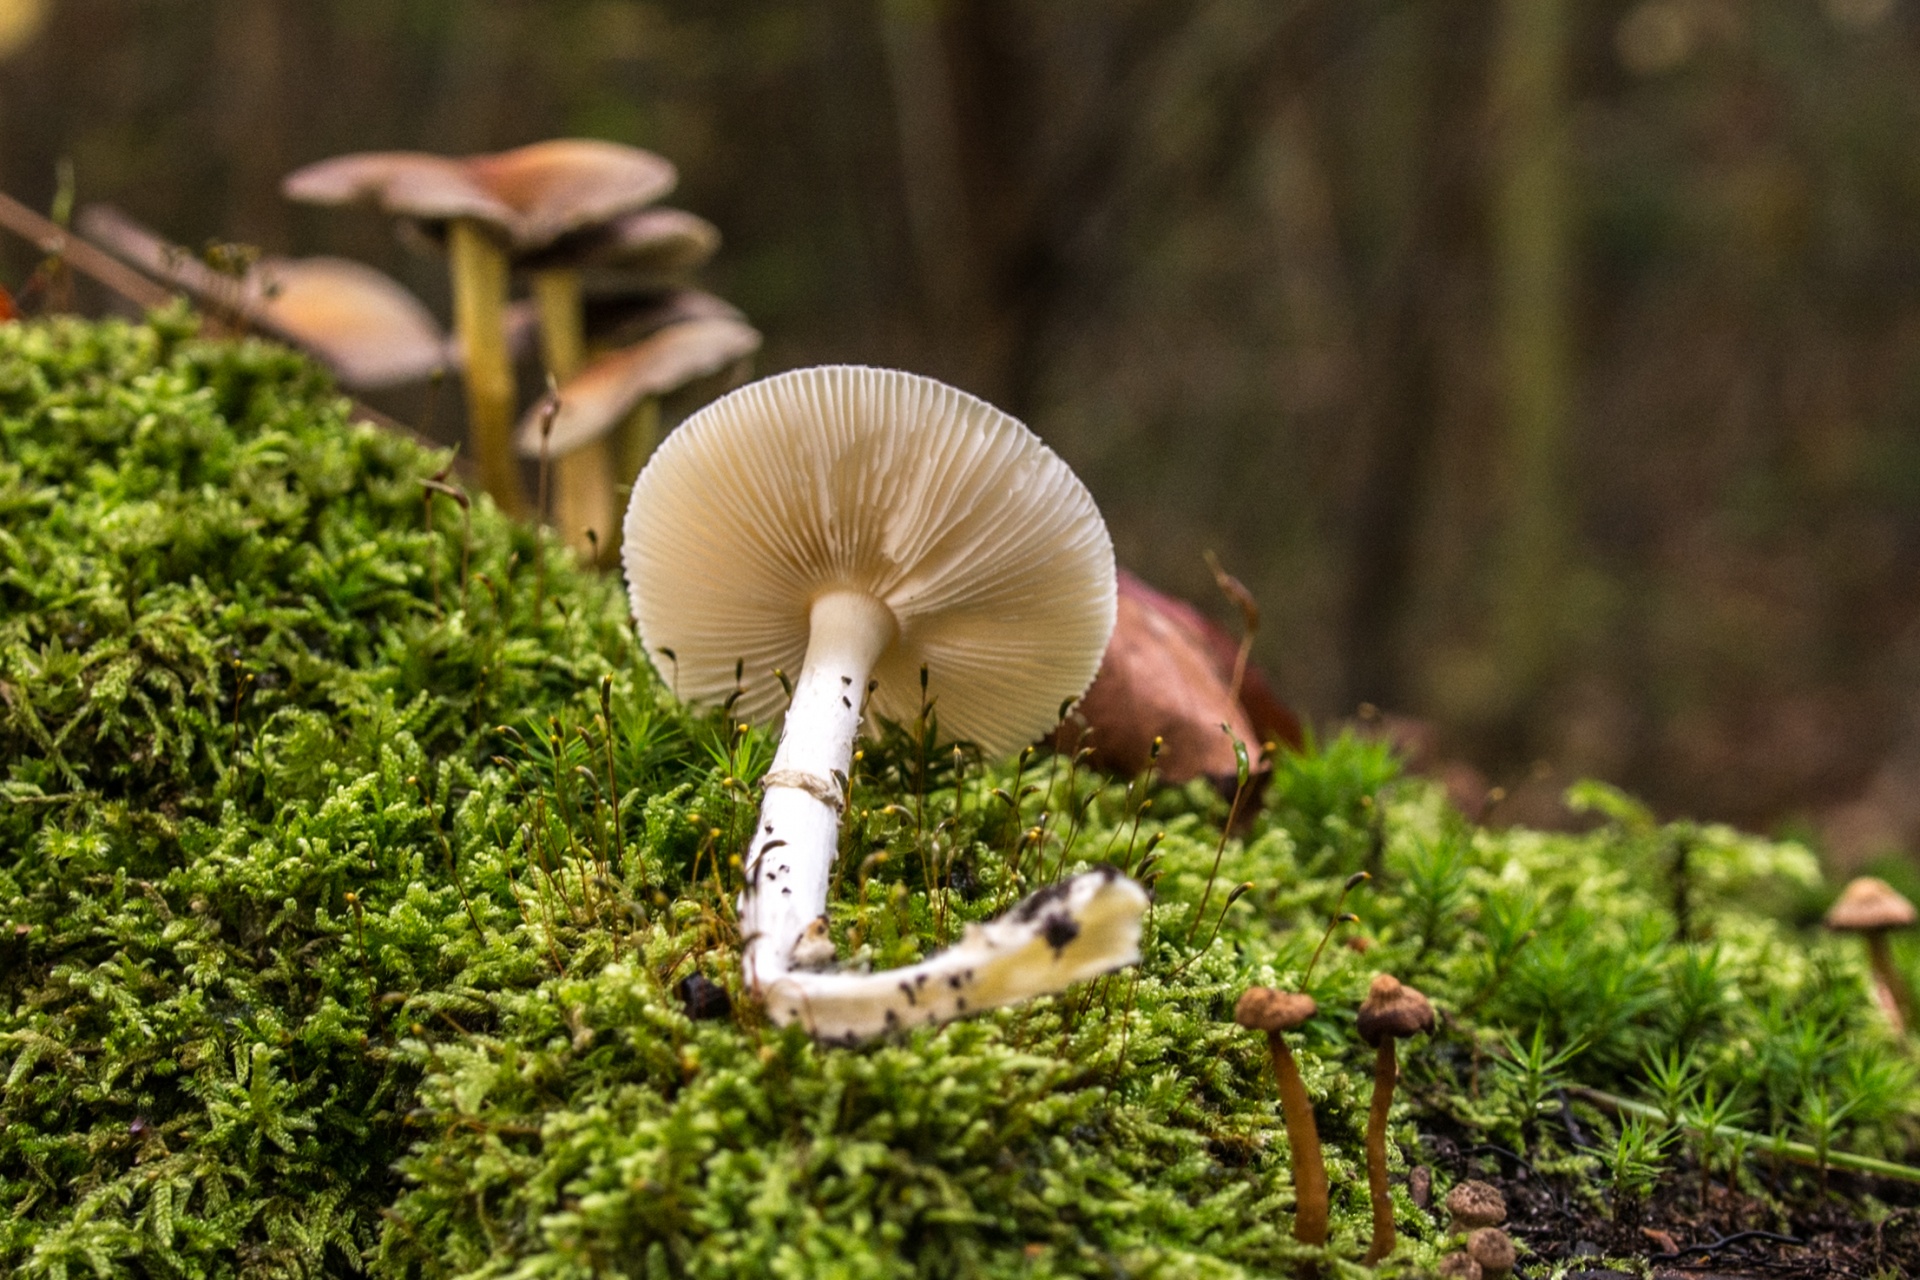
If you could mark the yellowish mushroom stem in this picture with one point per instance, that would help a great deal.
(634, 440)
(1386, 1072)
(583, 479)
(1303, 1137)
(479, 267)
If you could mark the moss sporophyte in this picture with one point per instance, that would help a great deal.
(352, 889)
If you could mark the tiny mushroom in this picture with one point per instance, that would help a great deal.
(1473, 1204)
(890, 539)
(602, 397)
(1871, 907)
(1277, 1012)
(1493, 1249)
(1459, 1266)
(491, 207)
(1391, 1011)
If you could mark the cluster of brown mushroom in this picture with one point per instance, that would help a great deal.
(1391, 1012)
(618, 324)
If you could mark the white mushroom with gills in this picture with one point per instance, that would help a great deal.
(860, 527)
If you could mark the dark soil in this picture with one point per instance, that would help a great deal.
(1787, 1230)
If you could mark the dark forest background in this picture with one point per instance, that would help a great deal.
(1549, 371)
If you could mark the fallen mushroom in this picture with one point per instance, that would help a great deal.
(363, 324)
(874, 530)
(488, 207)
(1391, 1011)
(1871, 907)
(1277, 1012)
(602, 397)
(1158, 684)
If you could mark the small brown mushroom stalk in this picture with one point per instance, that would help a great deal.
(1871, 907)
(1276, 1013)
(1391, 1011)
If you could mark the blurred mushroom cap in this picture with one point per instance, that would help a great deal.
(1869, 904)
(600, 396)
(1265, 1009)
(655, 242)
(530, 196)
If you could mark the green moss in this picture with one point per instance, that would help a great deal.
(344, 892)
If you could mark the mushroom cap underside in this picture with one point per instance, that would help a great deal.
(600, 396)
(985, 546)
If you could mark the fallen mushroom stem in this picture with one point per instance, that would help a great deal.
(1082, 927)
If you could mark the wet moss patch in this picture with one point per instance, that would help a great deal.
(353, 867)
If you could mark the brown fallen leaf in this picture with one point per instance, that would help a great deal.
(1166, 674)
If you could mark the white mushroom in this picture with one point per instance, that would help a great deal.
(861, 525)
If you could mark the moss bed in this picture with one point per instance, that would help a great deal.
(359, 887)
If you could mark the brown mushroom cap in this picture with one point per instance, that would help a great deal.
(648, 242)
(531, 196)
(596, 399)
(1475, 1204)
(1264, 1009)
(1869, 904)
(1459, 1266)
(361, 322)
(1493, 1249)
(1393, 1009)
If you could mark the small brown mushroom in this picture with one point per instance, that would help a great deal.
(1277, 1012)
(1871, 907)
(1392, 1010)
(601, 398)
(1472, 1205)
(1492, 1248)
(1459, 1266)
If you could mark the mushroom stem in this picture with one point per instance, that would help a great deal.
(790, 858)
(583, 479)
(1386, 1072)
(634, 440)
(1303, 1137)
(1066, 932)
(1889, 987)
(479, 270)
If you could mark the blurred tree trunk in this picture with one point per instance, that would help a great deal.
(1531, 214)
(1403, 346)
